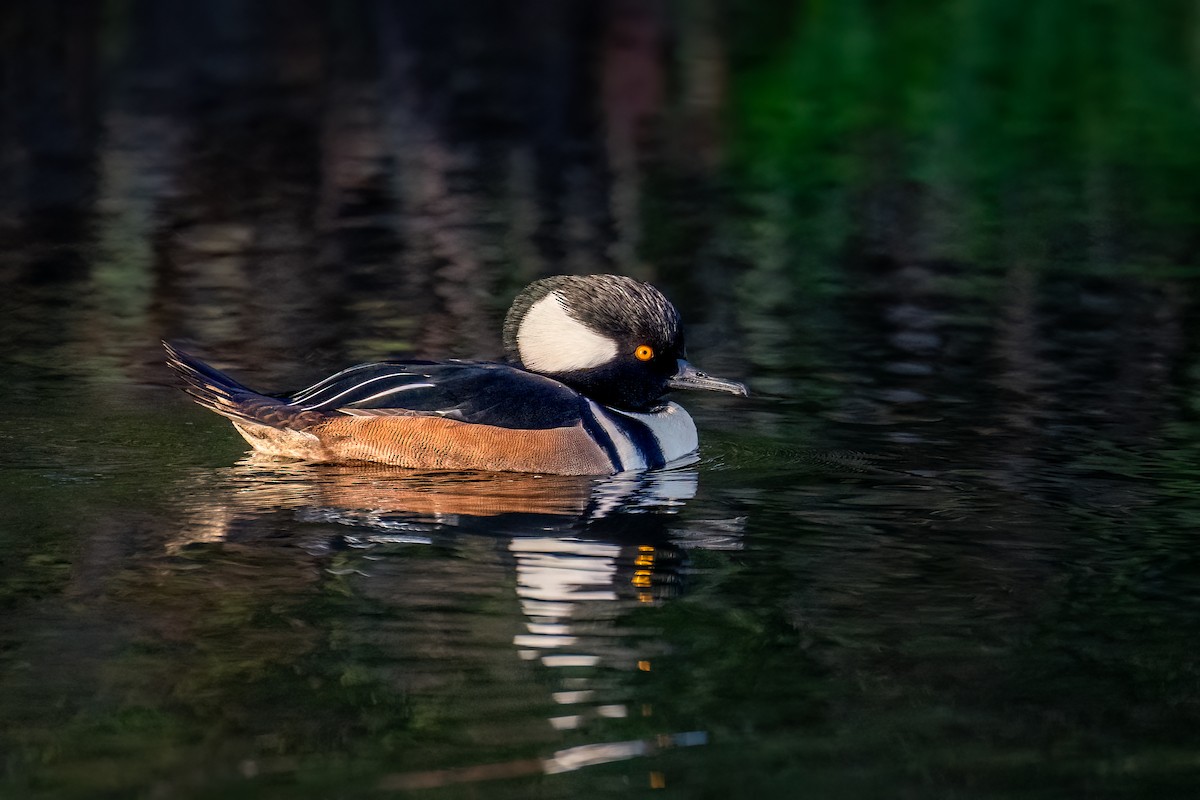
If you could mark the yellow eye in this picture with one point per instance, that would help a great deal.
(644, 352)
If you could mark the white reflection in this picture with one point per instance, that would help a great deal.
(665, 490)
(583, 552)
(566, 723)
(568, 760)
(590, 755)
(570, 661)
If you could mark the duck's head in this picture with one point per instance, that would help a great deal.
(612, 338)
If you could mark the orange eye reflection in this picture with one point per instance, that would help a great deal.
(644, 352)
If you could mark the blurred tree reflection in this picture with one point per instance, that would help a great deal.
(959, 235)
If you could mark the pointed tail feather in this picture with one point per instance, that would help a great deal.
(218, 392)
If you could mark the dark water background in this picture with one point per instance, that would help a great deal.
(949, 549)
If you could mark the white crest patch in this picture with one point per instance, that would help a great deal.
(550, 340)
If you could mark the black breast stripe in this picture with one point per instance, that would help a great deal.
(599, 435)
(642, 438)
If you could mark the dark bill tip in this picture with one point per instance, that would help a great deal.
(688, 377)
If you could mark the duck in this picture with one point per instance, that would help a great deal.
(589, 360)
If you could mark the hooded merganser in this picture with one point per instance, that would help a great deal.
(590, 358)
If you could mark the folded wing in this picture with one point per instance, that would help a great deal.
(466, 391)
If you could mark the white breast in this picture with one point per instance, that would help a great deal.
(673, 427)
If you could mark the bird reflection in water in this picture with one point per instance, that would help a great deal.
(582, 552)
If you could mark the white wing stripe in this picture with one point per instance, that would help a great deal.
(321, 385)
(353, 388)
(396, 390)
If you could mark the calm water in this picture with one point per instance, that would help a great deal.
(948, 549)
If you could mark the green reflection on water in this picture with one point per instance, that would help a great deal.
(1058, 129)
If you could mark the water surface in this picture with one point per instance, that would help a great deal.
(947, 549)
